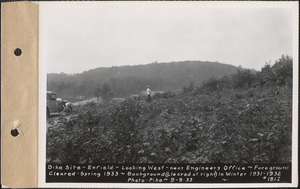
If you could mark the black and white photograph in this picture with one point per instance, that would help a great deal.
(169, 92)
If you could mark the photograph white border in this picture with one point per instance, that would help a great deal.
(224, 4)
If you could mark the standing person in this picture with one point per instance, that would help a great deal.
(148, 94)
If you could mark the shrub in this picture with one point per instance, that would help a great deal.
(189, 88)
(283, 70)
(243, 79)
(226, 120)
(167, 94)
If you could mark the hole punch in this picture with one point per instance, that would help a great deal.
(18, 52)
(14, 132)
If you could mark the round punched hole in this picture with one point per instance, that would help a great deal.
(18, 52)
(14, 132)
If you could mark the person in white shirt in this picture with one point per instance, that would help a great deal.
(148, 94)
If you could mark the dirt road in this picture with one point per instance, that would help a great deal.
(86, 101)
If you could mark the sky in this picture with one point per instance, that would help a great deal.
(80, 36)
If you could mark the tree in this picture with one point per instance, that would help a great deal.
(283, 69)
(189, 88)
(106, 92)
(244, 79)
(97, 93)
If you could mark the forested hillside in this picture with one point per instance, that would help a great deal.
(127, 80)
(245, 117)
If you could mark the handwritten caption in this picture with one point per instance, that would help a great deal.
(169, 173)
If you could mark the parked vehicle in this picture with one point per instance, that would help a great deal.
(54, 104)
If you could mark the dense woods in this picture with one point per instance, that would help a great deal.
(127, 80)
(245, 117)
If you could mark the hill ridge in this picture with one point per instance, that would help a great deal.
(131, 79)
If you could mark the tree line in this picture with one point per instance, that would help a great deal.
(124, 81)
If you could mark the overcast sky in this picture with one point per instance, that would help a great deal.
(82, 36)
